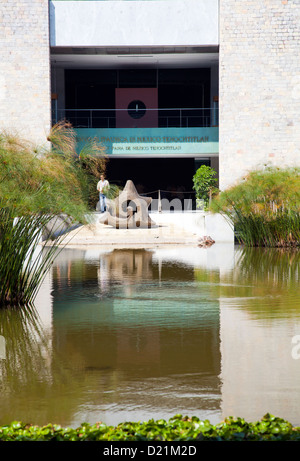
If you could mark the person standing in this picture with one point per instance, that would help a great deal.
(102, 187)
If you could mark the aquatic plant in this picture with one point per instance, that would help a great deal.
(25, 257)
(50, 180)
(38, 185)
(33, 181)
(177, 428)
(89, 160)
(264, 207)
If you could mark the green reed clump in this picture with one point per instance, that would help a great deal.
(25, 257)
(35, 182)
(56, 180)
(88, 162)
(264, 207)
(37, 185)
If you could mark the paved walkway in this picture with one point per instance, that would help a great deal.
(102, 235)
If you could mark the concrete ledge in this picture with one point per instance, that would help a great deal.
(171, 228)
(200, 223)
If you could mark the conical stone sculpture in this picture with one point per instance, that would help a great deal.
(129, 210)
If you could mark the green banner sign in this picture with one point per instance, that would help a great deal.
(153, 141)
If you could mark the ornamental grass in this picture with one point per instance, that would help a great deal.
(43, 180)
(264, 208)
(38, 185)
(25, 257)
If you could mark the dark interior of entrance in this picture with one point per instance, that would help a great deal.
(177, 88)
(173, 177)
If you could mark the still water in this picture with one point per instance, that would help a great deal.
(130, 335)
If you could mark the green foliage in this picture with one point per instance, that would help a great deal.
(56, 180)
(36, 186)
(178, 428)
(39, 183)
(264, 207)
(24, 259)
(205, 182)
(89, 163)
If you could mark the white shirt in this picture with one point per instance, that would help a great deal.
(102, 184)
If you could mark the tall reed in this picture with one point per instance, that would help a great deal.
(36, 186)
(264, 207)
(88, 162)
(25, 257)
(57, 180)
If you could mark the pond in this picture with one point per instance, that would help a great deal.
(133, 334)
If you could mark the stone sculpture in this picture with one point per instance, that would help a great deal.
(129, 210)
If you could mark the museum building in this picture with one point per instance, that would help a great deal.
(165, 85)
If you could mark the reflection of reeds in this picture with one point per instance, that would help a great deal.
(26, 344)
(263, 282)
(32, 371)
(278, 267)
(265, 208)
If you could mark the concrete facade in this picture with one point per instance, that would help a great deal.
(25, 100)
(259, 86)
(134, 23)
(258, 68)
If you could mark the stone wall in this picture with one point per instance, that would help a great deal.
(25, 100)
(259, 86)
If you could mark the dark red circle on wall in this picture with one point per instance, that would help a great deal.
(136, 109)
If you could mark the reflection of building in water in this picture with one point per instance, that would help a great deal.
(71, 272)
(163, 335)
(103, 275)
(201, 329)
(259, 315)
(151, 314)
(138, 346)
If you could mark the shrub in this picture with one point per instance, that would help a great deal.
(205, 182)
(264, 207)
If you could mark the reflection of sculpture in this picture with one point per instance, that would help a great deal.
(135, 265)
(129, 210)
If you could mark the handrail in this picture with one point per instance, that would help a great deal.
(153, 108)
(165, 117)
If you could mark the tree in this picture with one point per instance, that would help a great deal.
(205, 182)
